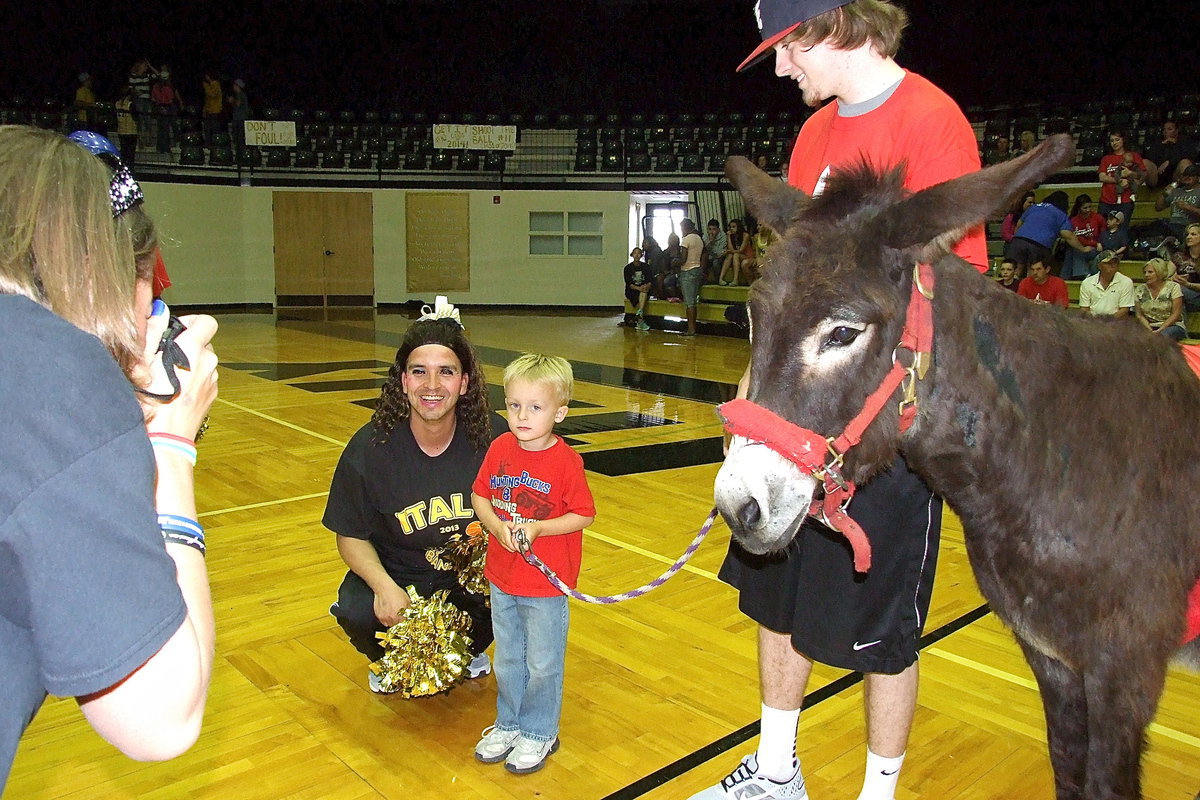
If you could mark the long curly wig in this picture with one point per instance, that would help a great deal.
(472, 409)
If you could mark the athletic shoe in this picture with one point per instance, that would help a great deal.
(642, 326)
(376, 685)
(529, 756)
(744, 783)
(480, 665)
(495, 745)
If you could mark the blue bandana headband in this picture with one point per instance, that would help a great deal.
(123, 191)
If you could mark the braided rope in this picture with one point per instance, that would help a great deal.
(527, 553)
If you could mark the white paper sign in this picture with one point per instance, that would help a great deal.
(261, 133)
(475, 137)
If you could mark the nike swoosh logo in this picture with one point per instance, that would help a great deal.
(885, 772)
(865, 645)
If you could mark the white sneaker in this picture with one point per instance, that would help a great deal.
(480, 665)
(529, 756)
(744, 783)
(495, 745)
(376, 685)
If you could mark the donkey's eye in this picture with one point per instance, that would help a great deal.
(841, 336)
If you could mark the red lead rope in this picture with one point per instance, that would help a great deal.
(808, 450)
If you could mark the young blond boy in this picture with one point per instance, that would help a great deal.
(530, 480)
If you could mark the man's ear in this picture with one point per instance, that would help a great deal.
(462, 390)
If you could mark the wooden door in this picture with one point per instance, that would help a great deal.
(324, 250)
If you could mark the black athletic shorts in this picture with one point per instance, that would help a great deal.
(868, 622)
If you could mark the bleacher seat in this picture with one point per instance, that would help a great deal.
(666, 163)
(353, 145)
(711, 149)
(585, 146)
(191, 155)
(369, 130)
(738, 147)
(298, 116)
(493, 119)
(333, 160)
(271, 114)
(468, 161)
(371, 117)
(414, 161)
(494, 162)
(343, 130)
(420, 118)
(347, 117)
(318, 130)
(693, 162)
(440, 161)
(637, 146)
(279, 157)
(609, 134)
(305, 159)
(221, 156)
(360, 160)
(585, 162)
(389, 160)
(250, 157)
(321, 115)
(612, 120)
(611, 162)
(687, 147)
(221, 140)
(638, 163)
(191, 139)
(614, 148)
(661, 147)
(1090, 156)
(716, 163)
(374, 145)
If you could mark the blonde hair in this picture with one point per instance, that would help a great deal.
(536, 368)
(59, 243)
(1160, 267)
(851, 26)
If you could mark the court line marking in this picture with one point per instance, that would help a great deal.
(284, 423)
(649, 554)
(1154, 727)
(263, 504)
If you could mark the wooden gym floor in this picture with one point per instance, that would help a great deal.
(661, 692)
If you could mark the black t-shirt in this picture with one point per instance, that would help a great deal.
(405, 503)
(87, 590)
(635, 273)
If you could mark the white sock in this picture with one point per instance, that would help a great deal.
(777, 742)
(881, 778)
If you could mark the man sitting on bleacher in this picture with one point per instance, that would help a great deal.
(1108, 293)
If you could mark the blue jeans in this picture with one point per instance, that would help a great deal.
(1078, 265)
(531, 647)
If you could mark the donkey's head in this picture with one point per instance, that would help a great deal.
(829, 309)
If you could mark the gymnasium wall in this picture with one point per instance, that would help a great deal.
(218, 240)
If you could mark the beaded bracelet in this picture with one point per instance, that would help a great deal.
(177, 444)
(181, 530)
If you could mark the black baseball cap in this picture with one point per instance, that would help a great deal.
(777, 18)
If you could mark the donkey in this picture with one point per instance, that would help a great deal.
(1048, 433)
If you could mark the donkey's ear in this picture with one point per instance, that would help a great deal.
(768, 199)
(937, 217)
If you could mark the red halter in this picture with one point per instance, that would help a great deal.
(808, 450)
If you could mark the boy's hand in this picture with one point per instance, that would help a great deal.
(532, 530)
(506, 537)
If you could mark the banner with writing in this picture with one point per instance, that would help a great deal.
(261, 133)
(475, 137)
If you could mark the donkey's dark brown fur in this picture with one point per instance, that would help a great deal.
(1050, 434)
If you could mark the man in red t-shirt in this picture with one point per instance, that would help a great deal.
(810, 606)
(1042, 287)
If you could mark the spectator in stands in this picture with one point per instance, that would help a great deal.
(1026, 142)
(1001, 150)
(715, 245)
(1160, 301)
(1167, 159)
(739, 248)
(1037, 230)
(1042, 287)
(167, 105)
(141, 74)
(1087, 225)
(211, 112)
(1006, 276)
(1009, 226)
(1115, 235)
(1120, 173)
(668, 279)
(85, 103)
(637, 289)
(1183, 198)
(239, 112)
(1187, 268)
(1108, 293)
(127, 125)
(691, 271)
(656, 264)
(763, 238)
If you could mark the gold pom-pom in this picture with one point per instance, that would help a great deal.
(427, 651)
(465, 553)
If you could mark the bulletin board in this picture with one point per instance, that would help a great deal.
(438, 242)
